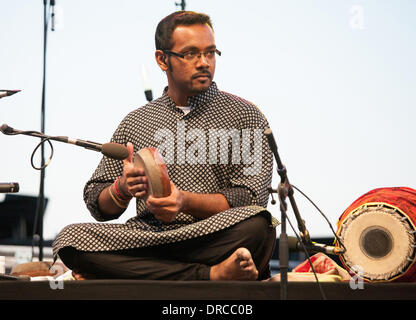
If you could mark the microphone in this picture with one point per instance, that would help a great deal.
(9, 187)
(295, 245)
(6, 93)
(112, 150)
(270, 139)
(146, 83)
(6, 129)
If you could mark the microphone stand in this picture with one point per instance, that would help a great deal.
(40, 207)
(182, 4)
(284, 191)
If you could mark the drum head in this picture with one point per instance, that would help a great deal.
(379, 241)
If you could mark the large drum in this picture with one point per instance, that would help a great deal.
(378, 232)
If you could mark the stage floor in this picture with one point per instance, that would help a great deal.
(199, 290)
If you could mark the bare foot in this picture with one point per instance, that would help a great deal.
(79, 276)
(239, 266)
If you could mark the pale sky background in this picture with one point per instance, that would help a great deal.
(335, 78)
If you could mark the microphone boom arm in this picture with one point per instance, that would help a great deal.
(111, 149)
(86, 144)
(285, 189)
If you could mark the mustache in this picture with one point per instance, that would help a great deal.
(202, 73)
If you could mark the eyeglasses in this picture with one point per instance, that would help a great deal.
(193, 55)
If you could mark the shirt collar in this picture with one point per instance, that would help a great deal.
(194, 102)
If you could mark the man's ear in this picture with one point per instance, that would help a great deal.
(162, 60)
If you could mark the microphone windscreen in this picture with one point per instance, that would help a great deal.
(115, 151)
(270, 138)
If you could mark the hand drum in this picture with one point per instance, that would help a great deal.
(154, 167)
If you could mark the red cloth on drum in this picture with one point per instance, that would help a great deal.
(324, 265)
(401, 197)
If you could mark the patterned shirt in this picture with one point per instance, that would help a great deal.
(218, 147)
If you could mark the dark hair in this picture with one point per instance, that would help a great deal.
(165, 28)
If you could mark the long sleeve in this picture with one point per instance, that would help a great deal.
(250, 179)
(104, 175)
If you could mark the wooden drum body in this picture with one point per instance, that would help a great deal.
(155, 169)
(378, 232)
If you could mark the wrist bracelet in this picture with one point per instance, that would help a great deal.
(119, 192)
(118, 204)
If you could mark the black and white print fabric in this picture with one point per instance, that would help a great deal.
(218, 147)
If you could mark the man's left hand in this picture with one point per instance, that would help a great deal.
(165, 209)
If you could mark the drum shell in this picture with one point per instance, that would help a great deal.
(156, 172)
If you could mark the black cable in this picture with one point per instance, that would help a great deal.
(303, 245)
(309, 260)
(320, 211)
(301, 242)
(43, 166)
(50, 157)
(35, 224)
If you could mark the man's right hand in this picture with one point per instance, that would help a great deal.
(133, 182)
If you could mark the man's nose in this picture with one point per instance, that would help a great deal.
(203, 61)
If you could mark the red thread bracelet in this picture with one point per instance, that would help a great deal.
(117, 190)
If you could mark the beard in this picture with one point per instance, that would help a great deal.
(201, 81)
(198, 82)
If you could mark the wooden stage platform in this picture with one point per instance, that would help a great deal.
(199, 290)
